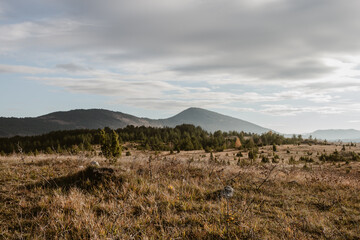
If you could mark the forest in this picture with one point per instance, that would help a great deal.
(184, 137)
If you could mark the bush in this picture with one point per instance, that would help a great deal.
(239, 154)
(339, 157)
(48, 150)
(306, 167)
(306, 159)
(207, 149)
(265, 159)
(110, 145)
(274, 147)
(252, 155)
(276, 158)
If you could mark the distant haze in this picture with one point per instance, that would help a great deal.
(292, 66)
(347, 135)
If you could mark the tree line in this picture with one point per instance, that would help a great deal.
(184, 137)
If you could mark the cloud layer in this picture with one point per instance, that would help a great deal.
(273, 57)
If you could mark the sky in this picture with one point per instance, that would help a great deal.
(289, 65)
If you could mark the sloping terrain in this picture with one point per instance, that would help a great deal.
(337, 134)
(212, 121)
(99, 118)
(74, 119)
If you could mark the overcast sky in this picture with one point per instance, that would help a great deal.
(289, 65)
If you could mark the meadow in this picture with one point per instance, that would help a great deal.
(284, 194)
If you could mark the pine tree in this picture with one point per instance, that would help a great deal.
(110, 145)
(115, 145)
(105, 148)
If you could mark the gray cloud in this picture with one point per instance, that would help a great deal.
(286, 110)
(4, 68)
(260, 56)
(71, 67)
(280, 40)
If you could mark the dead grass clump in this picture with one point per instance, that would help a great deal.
(87, 179)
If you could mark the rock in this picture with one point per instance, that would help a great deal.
(94, 164)
(227, 192)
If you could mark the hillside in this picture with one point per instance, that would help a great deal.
(74, 119)
(346, 135)
(212, 121)
(99, 118)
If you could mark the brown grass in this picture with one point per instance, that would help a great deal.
(59, 197)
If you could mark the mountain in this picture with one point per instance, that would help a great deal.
(99, 118)
(74, 119)
(345, 135)
(212, 121)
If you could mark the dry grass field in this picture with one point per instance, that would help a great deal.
(178, 196)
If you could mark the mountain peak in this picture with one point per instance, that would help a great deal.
(100, 118)
(212, 121)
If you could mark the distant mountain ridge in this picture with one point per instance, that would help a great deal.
(212, 121)
(100, 118)
(345, 135)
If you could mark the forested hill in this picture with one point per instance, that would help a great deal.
(70, 120)
(99, 118)
(212, 121)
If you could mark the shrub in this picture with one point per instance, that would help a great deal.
(276, 158)
(252, 155)
(265, 159)
(306, 167)
(110, 145)
(306, 159)
(239, 154)
(48, 150)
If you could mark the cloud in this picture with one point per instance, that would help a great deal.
(273, 57)
(277, 41)
(354, 121)
(274, 40)
(286, 110)
(5, 68)
(38, 29)
(110, 86)
(71, 67)
(1, 11)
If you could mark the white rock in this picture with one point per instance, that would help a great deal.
(227, 192)
(94, 163)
